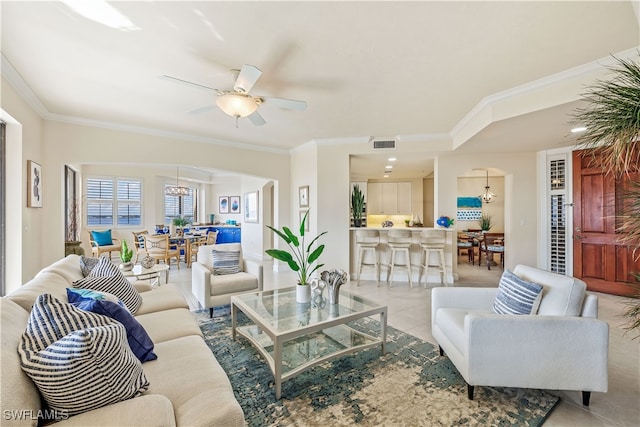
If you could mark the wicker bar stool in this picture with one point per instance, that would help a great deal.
(433, 241)
(367, 241)
(399, 242)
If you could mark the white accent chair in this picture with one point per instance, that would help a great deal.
(211, 290)
(562, 347)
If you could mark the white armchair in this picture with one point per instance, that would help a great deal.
(562, 347)
(213, 290)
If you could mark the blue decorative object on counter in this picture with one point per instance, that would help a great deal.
(444, 221)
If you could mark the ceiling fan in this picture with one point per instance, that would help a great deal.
(238, 102)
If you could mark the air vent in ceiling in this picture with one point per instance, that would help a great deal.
(384, 143)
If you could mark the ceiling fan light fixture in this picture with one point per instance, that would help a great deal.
(237, 104)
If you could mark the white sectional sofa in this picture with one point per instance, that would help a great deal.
(187, 386)
(561, 346)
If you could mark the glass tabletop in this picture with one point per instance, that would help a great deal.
(279, 308)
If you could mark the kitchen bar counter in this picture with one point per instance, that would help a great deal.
(415, 251)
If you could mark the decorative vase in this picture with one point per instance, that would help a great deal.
(334, 279)
(126, 266)
(147, 261)
(303, 293)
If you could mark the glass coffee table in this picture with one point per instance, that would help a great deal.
(151, 274)
(294, 337)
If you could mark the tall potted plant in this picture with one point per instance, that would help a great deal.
(300, 258)
(357, 205)
(612, 121)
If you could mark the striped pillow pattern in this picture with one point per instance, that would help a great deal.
(517, 296)
(225, 262)
(90, 366)
(106, 277)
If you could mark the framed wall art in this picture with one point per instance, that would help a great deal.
(251, 207)
(223, 204)
(234, 204)
(303, 196)
(34, 184)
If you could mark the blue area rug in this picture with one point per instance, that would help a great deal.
(411, 385)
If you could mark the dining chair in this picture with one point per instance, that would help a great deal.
(492, 243)
(138, 241)
(157, 246)
(212, 236)
(194, 244)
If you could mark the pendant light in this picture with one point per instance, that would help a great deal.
(487, 197)
(176, 190)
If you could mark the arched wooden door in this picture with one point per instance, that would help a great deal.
(598, 258)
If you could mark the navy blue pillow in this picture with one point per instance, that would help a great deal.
(138, 339)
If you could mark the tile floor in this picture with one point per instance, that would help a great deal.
(409, 311)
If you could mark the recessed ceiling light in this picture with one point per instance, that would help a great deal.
(385, 176)
(578, 129)
(392, 159)
(388, 167)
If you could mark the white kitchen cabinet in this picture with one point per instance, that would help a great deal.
(404, 198)
(389, 198)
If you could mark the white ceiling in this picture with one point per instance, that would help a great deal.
(398, 69)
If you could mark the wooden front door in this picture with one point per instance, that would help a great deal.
(598, 258)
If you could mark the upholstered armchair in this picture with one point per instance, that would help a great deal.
(221, 271)
(561, 346)
(102, 242)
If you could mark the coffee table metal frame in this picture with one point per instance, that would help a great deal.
(151, 274)
(279, 338)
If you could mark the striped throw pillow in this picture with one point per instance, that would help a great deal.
(78, 360)
(87, 264)
(517, 296)
(106, 277)
(225, 262)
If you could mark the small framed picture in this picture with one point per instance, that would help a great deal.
(234, 204)
(34, 184)
(251, 207)
(223, 204)
(306, 224)
(303, 196)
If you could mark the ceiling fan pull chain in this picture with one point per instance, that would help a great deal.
(237, 117)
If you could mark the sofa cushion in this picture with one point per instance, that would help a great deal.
(102, 238)
(87, 264)
(138, 339)
(201, 396)
(239, 282)
(562, 295)
(18, 392)
(516, 295)
(225, 262)
(79, 360)
(169, 324)
(43, 283)
(68, 268)
(164, 297)
(106, 277)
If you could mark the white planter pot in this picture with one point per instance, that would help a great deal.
(303, 294)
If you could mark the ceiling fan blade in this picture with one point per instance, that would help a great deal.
(289, 104)
(256, 119)
(188, 83)
(201, 110)
(248, 76)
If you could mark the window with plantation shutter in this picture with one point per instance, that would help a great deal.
(185, 206)
(114, 201)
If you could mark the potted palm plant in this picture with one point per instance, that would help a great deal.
(357, 205)
(300, 258)
(612, 135)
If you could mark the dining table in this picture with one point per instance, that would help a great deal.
(185, 241)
